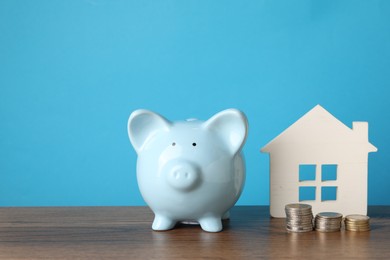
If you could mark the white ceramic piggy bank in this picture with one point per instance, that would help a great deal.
(189, 170)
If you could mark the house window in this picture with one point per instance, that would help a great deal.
(307, 193)
(328, 193)
(323, 187)
(328, 172)
(307, 172)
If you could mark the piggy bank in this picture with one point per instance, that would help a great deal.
(189, 171)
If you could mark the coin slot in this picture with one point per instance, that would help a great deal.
(329, 172)
(307, 172)
(328, 193)
(307, 193)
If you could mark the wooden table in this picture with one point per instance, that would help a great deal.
(125, 233)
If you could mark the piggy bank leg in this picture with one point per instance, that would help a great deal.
(211, 224)
(226, 215)
(163, 223)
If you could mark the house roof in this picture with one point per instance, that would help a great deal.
(320, 126)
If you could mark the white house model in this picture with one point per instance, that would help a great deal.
(320, 161)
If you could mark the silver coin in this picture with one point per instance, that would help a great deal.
(299, 217)
(302, 218)
(294, 229)
(298, 206)
(330, 215)
(328, 222)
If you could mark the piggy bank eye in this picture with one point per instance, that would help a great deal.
(193, 144)
(173, 144)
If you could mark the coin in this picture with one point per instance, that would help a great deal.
(299, 217)
(357, 218)
(331, 215)
(298, 206)
(328, 221)
(357, 223)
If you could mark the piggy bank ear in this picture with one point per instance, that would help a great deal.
(143, 125)
(232, 126)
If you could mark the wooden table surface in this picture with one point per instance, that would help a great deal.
(125, 233)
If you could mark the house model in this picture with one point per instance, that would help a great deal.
(320, 161)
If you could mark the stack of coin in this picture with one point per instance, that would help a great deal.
(328, 221)
(299, 217)
(357, 223)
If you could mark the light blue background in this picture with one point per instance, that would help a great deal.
(71, 72)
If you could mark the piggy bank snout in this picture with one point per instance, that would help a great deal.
(182, 175)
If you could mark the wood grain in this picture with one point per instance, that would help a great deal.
(125, 233)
